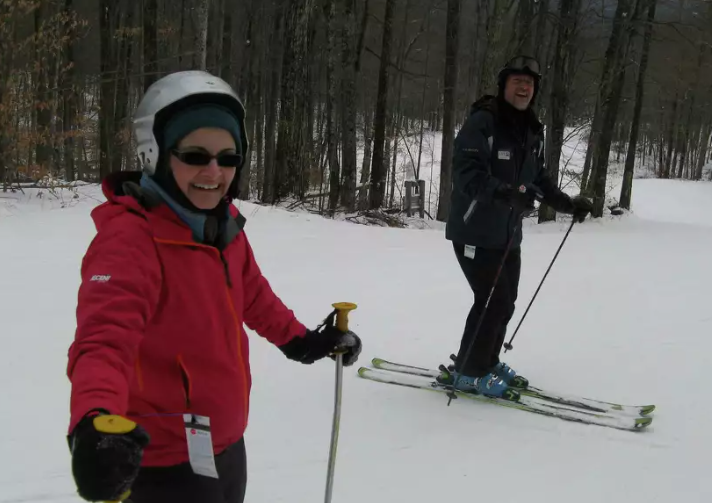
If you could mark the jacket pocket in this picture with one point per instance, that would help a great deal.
(470, 211)
(487, 226)
(185, 381)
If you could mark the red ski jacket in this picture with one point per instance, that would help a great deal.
(160, 325)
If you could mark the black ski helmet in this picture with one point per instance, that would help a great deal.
(522, 64)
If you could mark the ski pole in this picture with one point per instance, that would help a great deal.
(342, 323)
(508, 345)
(451, 394)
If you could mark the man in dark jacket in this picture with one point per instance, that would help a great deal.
(498, 173)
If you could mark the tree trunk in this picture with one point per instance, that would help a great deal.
(394, 126)
(348, 105)
(289, 167)
(268, 187)
(5, 75)
(259, 142)
(332, 138)
(392, 154)
(592, 136)
(542, 15)
(181, 37)
(561, 80)
(226, 53)
(704, 145)
(377, 190)
(671, 139)
(69, 100)
(683, 135)
(610, 93)
(250, 79)
(213, 41)
(522, 36)
(366, 163)
(150, 43)
(416, 174)
(108, 79)
(627, 187)
(201, 34)
(452, 45)
(478, 64)
(694, 88)
(122, 85)
(43, 96)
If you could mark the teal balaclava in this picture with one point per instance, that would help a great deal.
(181, 124)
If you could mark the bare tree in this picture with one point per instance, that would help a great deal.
(350, 60)
(609, 98)
(201, 36)
(627, 187)
(449, 91)
(150, 43)
(378, 172)
(564, 60)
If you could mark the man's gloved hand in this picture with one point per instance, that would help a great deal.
(582, 206)
(324, 341)
(520, 198)
(106, 455)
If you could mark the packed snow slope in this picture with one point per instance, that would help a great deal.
(623, 316)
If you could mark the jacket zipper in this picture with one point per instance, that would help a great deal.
(226, 269)
(185, 378)
(231, 306)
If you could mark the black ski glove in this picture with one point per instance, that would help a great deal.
(581, 208)
(326, 340)
(521, 199)
(106, 456)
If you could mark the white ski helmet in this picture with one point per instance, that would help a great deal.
(172, 93)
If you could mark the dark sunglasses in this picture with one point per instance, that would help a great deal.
(523, 63)
(195, 158)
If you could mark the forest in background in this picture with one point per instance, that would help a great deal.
(326, 80)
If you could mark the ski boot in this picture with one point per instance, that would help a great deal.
(504, 371)
(490, 385)
(509, 376)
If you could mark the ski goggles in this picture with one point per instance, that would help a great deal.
(197, 158)
(524, 63)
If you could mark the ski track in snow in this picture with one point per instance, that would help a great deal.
(623, 316)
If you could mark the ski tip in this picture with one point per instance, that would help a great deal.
(647, 409)
(643, 422)
(643, 410)
(362, 371)
(378, 361)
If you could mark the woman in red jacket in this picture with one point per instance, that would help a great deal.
(160, 362)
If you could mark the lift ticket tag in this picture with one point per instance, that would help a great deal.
(200, 445)
(470, 251)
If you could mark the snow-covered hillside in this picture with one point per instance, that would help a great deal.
(624, 316)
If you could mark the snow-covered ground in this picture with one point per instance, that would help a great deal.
(624, 316)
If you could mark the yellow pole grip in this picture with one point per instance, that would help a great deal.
(342, 314)
(117, 425)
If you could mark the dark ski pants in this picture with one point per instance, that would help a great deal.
(178, 484)
(480, 272)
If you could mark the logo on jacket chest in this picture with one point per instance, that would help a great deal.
(504, 155)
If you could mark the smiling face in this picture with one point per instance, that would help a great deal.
(204, 185)
(519, 90)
